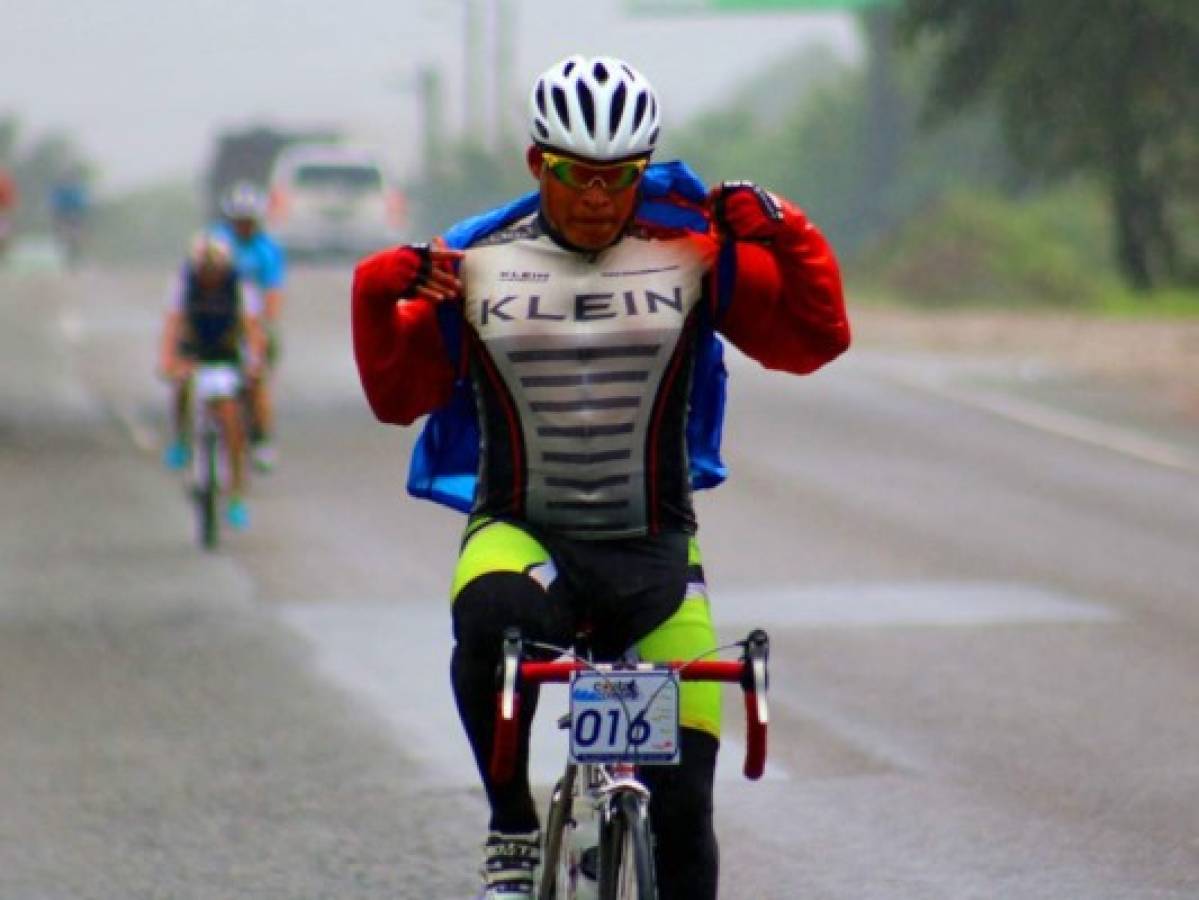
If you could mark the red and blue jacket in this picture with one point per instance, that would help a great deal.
(780, 302)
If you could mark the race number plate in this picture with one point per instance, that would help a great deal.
(631, 715)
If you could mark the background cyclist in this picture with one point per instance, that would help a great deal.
(70, 206)
(211, 334)
(9, 199)
(565, 346)
(261, 262)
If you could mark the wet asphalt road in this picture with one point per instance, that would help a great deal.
(986, 682)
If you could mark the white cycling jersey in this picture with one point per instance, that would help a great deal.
(584, 404)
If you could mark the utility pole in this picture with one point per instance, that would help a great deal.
(502, 99)
(473, 130)
(432, 124)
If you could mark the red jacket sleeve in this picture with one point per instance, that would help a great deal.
(401, 354)
(786, 308)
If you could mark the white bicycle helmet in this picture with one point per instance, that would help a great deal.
(244, 200)
(598, 109)
(210, 251)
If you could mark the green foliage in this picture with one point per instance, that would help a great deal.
(469, 181)
(981, 248)
(35, 166)
(815, 148)
(1106, 88)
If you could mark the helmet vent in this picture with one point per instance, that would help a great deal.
(617, 110)
(632, 75)
(570, 66)
(587, 104)
(600, 71)
(561, 106)
(541, 97)
(542, 130)
(639, 110)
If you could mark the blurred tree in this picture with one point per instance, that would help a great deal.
(36, 166)
(469, 180)
(8, 138)
(150, 224)
(1105, 87)
(797, 128)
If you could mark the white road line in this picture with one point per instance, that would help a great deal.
(143, 436)
(1055, 421)
(396, 660)
(908, 604)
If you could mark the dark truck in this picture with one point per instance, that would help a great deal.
(248, 155)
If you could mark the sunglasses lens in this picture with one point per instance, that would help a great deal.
(580, 175)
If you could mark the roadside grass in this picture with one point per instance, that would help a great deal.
(978, 250)
(1169, 303)
(1114, 302)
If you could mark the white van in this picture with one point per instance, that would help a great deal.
(333, 200)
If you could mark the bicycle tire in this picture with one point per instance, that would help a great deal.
(207, 493)
(558, 825)
(626, 852)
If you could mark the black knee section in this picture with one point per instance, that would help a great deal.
(490, 603)
(680, 812)
(482, 611)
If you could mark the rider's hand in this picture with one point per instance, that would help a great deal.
(427, 271)
(744, 211)
(174, 369)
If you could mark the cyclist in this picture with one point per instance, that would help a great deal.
(9, 199)
(566, 348)
(212, 317)
(70, 205)
(260, 262)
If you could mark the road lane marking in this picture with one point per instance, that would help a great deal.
(903, 604)
(1126, 441)
(396, 660)
(143, 436)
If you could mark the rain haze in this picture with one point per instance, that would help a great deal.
(143, 86)
(970, 531)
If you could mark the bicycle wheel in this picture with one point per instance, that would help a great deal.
(626, 854)
(208, 492)
(555, 867)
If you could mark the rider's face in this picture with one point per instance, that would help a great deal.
(590, 216)
(244, 228)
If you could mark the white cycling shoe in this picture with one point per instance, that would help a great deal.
(510, 864)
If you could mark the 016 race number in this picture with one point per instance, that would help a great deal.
(625, 716)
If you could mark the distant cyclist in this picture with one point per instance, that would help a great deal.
(261, 263)
(211, 337)
(566, 349)
(70, 206)
(9, 199)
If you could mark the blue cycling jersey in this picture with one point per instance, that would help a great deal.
(260, 260)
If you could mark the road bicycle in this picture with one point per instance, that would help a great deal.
(622, 715)
(211, 455)
(208, 474)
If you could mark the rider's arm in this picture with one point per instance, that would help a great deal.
(401, 355)
(274, 273)
(168, 348)
(272, 305)
(172, 329)
(785, 306)
(253, 306)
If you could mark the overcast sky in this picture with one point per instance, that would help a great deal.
(144, 84)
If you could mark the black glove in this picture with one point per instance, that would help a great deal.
(745, 211)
